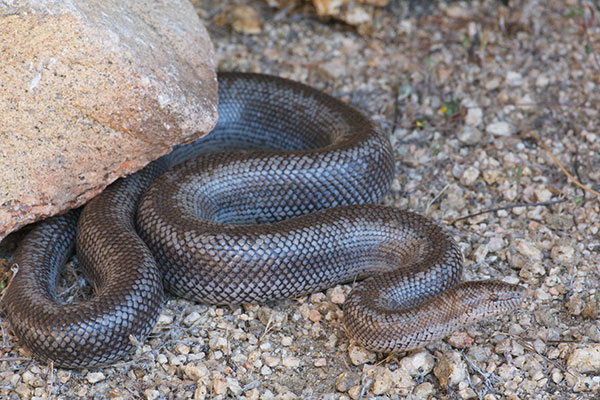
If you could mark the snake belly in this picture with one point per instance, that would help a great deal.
(277, 201)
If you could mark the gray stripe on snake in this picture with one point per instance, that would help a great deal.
(287, 215)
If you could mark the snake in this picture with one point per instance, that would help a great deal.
(280, 200)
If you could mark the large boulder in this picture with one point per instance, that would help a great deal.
(92, 90)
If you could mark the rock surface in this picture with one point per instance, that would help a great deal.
(93, 90)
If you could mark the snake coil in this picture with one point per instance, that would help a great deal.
(287, 214)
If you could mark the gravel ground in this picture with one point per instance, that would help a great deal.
(461, 88)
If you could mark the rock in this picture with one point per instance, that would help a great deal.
(542, 81)
(585, 359)
(451, 369)
(418, 364)
(528, 249)
(98, 89)
(242, 19)
(474, 116)
(290, 362)
(469, 176)
(514, 78)
(383, 381)
(359, 355)
(470, 135)
(500, 129)
(337, 295)
(424, 391)
(351, 12)
(94, 377)
(345, 381)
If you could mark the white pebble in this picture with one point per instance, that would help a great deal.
(94, 377)
(469, 176)
(290, 362)
(514, 78)
(359, 355)
(271, 361)
(423, 391)
(543, 194)
(563, 254)
(152, 394)
(500, 129)
(542, 80)
(470, 135)
(265, 370)
(287, 341)
(474, 116)
(197, 371)
(528, 249)
(418, 364)
(585, 359)
(191, 318)
(320, 362)
(383, 381)
(164, 319)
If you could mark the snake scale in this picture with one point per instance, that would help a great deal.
(276, 202)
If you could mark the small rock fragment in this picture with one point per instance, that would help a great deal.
(359, 355)
(219, 384)
(585, 359)
(383, 381)
(320, 362)
(337, 296)
(423, 391)
(500, 129)
(290, 362)
(191, 318)
(474, 116)
(418, 364)
(451, 369)
(469, 176)
(245, 19)
(470, 135)
(345, 381)
(514, 78)
(94, 377)
(528, 249)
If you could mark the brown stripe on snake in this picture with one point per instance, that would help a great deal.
(288, 215)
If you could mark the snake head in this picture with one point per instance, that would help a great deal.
(485, 299)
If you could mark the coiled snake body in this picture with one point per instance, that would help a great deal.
(287, 215)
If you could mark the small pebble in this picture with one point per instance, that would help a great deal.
(359, 355)
(528, 249)
(585, 359)
(337, 295)
(470, 135)
(94, 377)
(290, 362)
(383, 381)
(320, 362)
(514, 78)
(314, 315)
(500, 129)
(451, 369)
(474, 116)
(219, 384)
(469, 176)
(418, 364)
(152, 394)
(191, 318)
(346, 380)
(423, 391)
